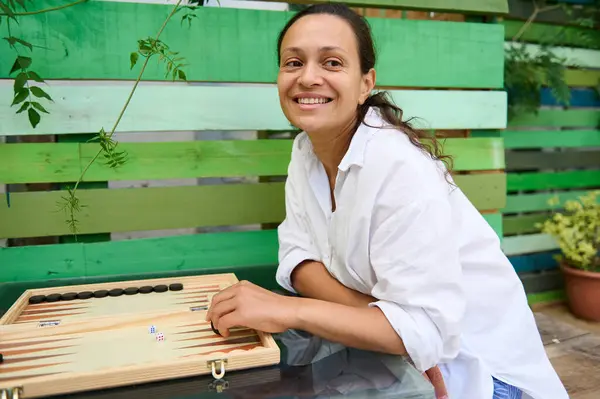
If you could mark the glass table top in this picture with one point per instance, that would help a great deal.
(310, 367)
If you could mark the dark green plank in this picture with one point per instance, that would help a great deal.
(585, 118)
(556, 180)
(523, 9)
(537, 202)
(35, 214)
(238, 45)
(63, 162)
(550, 138)
(519, 160)
(215, 252)
(553, 34)
(542, 282)
(522, 224)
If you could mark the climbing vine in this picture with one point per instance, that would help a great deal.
(526, 71)
(27, 96)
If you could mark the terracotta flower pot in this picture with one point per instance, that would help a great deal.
(583, 292)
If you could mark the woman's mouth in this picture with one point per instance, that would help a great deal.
(313, 100)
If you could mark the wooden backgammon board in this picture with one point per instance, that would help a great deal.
(78, 338)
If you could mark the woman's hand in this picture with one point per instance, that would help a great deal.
(247, 305)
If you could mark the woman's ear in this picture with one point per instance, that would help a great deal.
(367, 86)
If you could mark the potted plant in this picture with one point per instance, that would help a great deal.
(576, 228)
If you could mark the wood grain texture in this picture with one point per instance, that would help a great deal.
(123, 350)
(63, 162)
(514, 139)
(86, 108)
(239, 45)
(584, 118)
(553, 180)
(114, 210)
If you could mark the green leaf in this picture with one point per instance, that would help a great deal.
(35, 76)
(34, 117)
(39, 107)
(24, 62)
(23, 107)
(13, 40)
(20, 81)
(20, 96)
(133, 57)
(38, 92)
(182, 75)
(7, 10)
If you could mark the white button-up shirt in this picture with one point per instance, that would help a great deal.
(404, 235)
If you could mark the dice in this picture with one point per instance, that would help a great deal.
(160, 337)
(152, 329)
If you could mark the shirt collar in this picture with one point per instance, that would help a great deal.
(356, 151)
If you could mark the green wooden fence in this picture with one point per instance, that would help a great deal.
(449, 75)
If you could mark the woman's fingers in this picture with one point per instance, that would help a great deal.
(227, 294)
(220, 310)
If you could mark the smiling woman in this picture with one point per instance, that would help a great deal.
(384, 252)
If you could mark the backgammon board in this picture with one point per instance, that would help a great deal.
(76, 338)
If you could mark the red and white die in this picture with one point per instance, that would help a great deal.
(160, 337)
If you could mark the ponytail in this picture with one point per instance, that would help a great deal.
(392, 114)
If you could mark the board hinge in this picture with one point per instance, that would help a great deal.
(15, 393)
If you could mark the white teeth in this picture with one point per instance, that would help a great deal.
(319, 100)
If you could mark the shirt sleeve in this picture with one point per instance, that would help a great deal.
(295, 241)
(415, 259)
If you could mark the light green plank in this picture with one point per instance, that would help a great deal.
(546, 139)
(85, 109)
(556, 34)
(537, 202)
(239, 45)
(527, 244)
(63, 162)
(237, 250)
(585, 118)
(461, 6)
(553, 180)
(34, 214)
(495, 222)
(522, 224)
(575, 57)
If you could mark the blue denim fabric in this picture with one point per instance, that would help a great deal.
(503, 390)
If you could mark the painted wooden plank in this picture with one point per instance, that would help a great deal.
(114, 210)
(36, 214)
(537, 202)
(522, 224)
(550, 180)
(550, 138)
(522, 10)
(575, 57)
(543, 281)
(460, 6)
(87, 108)
(188, 253)
(582, 77)
(542, 298)
(519, 160)
(239, 45)
(534, 262)
(63, 162)
(544, 33)
(580, 97)
(495, 222)
(585, 118)
(517, 245)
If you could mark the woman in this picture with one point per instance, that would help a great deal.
(385, 252)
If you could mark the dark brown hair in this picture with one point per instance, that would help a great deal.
(381, 100)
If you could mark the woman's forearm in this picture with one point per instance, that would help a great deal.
(312, 280)
(359, 327)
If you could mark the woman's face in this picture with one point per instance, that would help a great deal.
(320, 82)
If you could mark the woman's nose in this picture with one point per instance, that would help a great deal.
(310, 76)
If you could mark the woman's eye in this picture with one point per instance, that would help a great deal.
(293, 63)
(333, 63)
